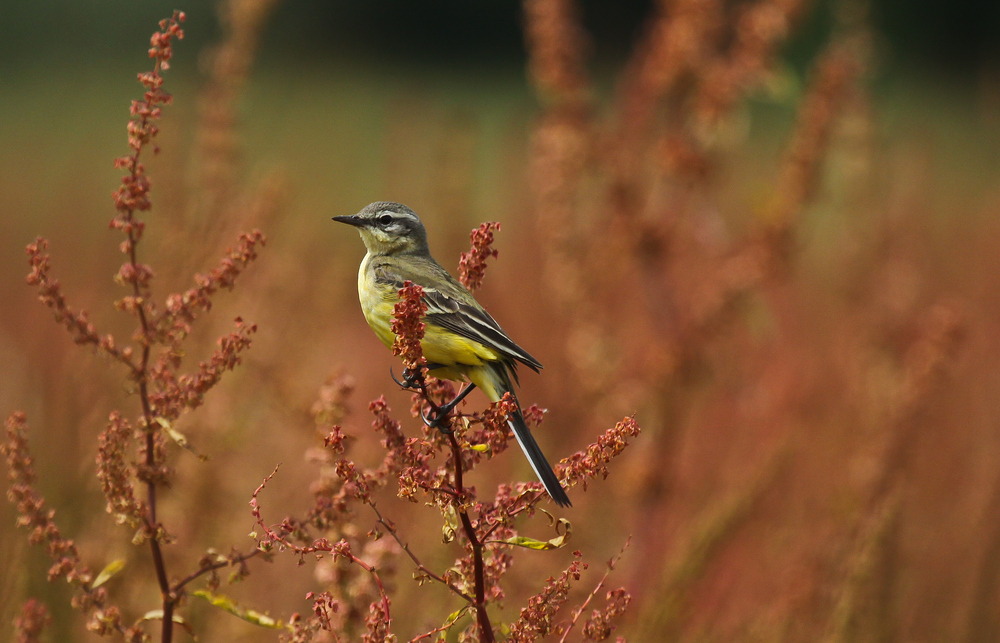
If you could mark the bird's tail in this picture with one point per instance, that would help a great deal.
(494, 381)
(537, 459)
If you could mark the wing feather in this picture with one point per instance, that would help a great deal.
(452, 307)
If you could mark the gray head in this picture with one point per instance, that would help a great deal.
(389, 228)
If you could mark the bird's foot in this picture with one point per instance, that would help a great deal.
(413, 380)
(439, 414)
(437, 418)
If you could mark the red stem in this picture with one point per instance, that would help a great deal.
(485, 627)
(274, 536)
(482, 617)
(381, 588)
(147, 413)
(242, 558)
(416, 561)
(579, 610)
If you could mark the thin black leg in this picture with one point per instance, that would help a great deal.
(447, 408)
(441, 412)
(412, 380)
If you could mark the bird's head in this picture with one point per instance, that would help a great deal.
(388, 228)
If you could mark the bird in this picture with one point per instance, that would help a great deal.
(462, 342)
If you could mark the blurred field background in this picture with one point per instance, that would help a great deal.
(795, 295)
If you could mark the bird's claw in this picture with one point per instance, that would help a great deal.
(435, 422)
(410, 381)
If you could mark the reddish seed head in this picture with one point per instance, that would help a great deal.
(592, 462)
(32, 621)
(408, 326)
(472, 265)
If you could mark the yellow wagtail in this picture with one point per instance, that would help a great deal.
(461, 341)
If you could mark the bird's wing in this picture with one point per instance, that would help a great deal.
(452, 307)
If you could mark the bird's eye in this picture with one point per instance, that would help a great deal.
(384, 220)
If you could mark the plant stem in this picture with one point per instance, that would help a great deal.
(485, 627)
(142, 376)
(416, 561)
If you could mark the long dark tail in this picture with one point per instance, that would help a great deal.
(537, 460)
(494, 380)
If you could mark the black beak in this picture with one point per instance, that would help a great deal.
(351, 219)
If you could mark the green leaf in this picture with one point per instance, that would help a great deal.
(447, 625)
(562, 525)
(531, 543)
(157, 615)
(450, 527)
(229, 605)
(109, 570)
(178, 437)
(454, 616)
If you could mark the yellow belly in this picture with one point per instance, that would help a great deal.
(458, 355)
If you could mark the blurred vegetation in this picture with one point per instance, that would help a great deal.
(822, 464)
(957, 37)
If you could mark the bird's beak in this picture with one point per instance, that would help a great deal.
(351, 219)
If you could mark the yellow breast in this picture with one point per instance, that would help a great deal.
(377, 302)
(440, 345)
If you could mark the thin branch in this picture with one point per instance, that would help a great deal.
(579, 610)
(420, 566)
(443, 628)
(241, 558)
(485, 627)
(538, 495)
(339, 549)
(142, 377)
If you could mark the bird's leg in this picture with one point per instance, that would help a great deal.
(442, 412)
(412, 379)
(445, 409)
